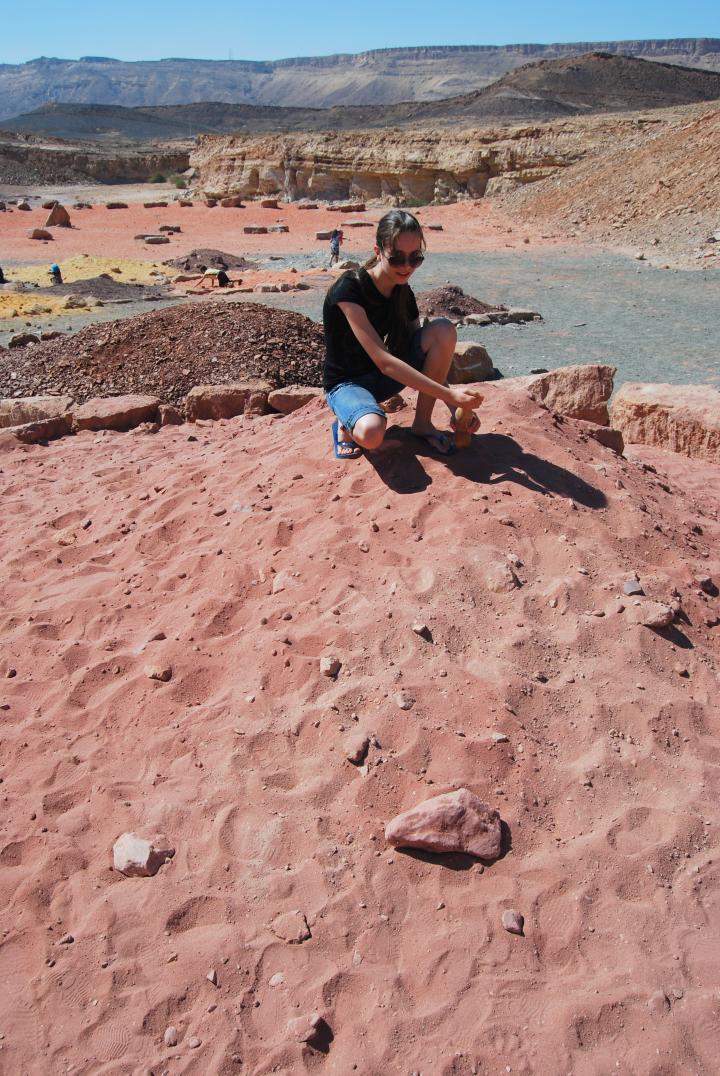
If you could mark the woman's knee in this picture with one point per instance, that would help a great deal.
(369, 431)
(441, 332)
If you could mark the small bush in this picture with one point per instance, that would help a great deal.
(157, 177)
(179, 182)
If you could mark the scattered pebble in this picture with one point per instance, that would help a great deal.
(159, 672)
(330, 665)
(422, 630)
(170, 1037)
(513, 921)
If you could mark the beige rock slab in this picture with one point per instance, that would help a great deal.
(32, 409)
(227, 401)
(576, 391)
(680, 418)
(292, 397)
(115, 412)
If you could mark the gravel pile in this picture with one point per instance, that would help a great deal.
(452, 302)
(109, 290)
(166, 352)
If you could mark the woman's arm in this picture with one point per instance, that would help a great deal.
(389, 364)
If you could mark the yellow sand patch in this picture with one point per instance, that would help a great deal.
(81, 267)
(27, 305)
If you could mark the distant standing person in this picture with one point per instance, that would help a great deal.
(56, 274)
(335, 240)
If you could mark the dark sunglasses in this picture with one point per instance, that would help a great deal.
(399, 259)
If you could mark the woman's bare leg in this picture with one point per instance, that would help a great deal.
(438, 342)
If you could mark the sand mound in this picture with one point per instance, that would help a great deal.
(211, 259)
(451, 302)
(166, 352)
(234, 562)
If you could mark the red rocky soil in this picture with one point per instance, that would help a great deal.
(167, 352)
(166, 608)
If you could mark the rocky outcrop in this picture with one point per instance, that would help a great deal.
(16, 412)
(393, 165)
(681, 418)
(27, 160)
(576, 391)
(227, 401)
(115, 412)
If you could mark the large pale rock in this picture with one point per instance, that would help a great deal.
(576, 391)
(452, 822)
(32, 408)
(604, 435)
(58, 217)
(44, 429)
(471, 362)
(138, 858)
(680, 418)
(292, 397)
(227, 401)
(115, 412)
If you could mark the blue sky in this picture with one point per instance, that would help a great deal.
(274, 29)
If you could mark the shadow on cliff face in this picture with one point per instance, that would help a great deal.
(496, 458)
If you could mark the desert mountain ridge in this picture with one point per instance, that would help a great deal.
(593, 83)
(382, 76)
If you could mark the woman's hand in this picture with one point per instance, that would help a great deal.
(460, 396)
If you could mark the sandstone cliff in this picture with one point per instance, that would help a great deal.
(29, 160)
(413, 167)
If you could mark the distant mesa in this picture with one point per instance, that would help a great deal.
(393, 87)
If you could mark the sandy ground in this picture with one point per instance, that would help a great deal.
(466, 226)
(237, 554)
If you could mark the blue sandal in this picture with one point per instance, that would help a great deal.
(344, 450)
(439, 441)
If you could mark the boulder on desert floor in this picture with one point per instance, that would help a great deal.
(58, 217)
(681, 418)
(227, 401)
(471, 362)
(452, 822)
(604, 435)
(138, 858)
(115, 412)
(39, 233)
(32, 408)
(39, 431)
(290, 398)
(576, 391)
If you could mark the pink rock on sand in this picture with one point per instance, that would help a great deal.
(452, 822)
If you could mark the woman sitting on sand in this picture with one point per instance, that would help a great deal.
(374, 346)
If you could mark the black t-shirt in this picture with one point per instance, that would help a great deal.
(345, 359)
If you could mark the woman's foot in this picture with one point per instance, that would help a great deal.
(345, 447)
(440, 441)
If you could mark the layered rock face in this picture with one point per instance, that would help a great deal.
(412, 166)
(681, 418)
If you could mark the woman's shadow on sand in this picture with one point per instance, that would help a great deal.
(491, 459)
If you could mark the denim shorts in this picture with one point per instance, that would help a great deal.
(351, 400)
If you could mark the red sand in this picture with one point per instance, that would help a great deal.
(467, 226)
(609, 783)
